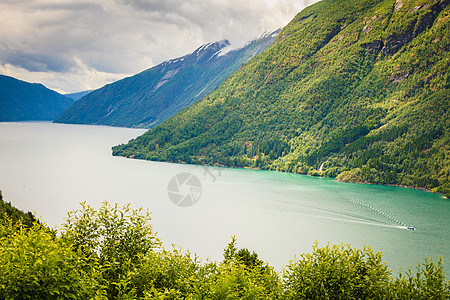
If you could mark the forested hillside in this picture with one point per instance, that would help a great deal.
(355, 89)
(20, 101)
(150, 97)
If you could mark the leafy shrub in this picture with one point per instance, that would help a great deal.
(34, 264)
(427, 283)
(116, 239)
(336, 272)
(164, 273)
(112, 253)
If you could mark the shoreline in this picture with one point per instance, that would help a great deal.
(260, 169)
(396, 185)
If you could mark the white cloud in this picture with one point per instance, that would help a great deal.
(73, 45)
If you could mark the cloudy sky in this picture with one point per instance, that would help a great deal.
(76, 45)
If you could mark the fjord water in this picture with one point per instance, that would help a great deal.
(50, 168)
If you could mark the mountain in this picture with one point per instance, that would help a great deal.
(20, 101)
(150, 97)
(78, 96)
(353, 89)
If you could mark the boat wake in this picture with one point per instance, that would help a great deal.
(372, 216)
(344, 208)
(355, 220)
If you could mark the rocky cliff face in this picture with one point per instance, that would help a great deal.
(395, 42)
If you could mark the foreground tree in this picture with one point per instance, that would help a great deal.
(34, 264)
(116, 239)
(342, 272)
(428, 282)
(113, 253)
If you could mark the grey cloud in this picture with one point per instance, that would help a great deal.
(211, 16)
(152, 5)
(39, 62)
(112, 37)
(65, 6)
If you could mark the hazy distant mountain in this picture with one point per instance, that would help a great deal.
(20, 100)
(79, 95)
(150, 97)
(357, 89)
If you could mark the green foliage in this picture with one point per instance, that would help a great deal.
(34, 264)
(361, 86)
(242, 275)
(427, 283)
(113, 234)
(236, 281)
(342, 272)
(16, 215)
(94, 260)
(233, 255)
(117, 239)
(337, 272)
(163, 273)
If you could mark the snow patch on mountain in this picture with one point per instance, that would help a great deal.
(169, 74)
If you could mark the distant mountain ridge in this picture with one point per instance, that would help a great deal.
(152, 96)
(353, 89)
(78, 96)
(21, 101)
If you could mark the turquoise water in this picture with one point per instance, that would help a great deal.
(50, 168)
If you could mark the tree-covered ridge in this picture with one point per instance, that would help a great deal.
(353, 89)
(150, 97)
(113, 253)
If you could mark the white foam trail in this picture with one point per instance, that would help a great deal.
(326, 210)
(379, 212)
(338, 219)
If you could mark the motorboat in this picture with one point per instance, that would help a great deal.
(410, 227)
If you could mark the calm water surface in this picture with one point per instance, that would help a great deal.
(50, 168)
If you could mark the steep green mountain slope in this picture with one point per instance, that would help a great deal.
(354, 89)
(150, 97)
(20, 100)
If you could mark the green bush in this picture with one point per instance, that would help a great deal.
(337, 272)
(113, 253)
(115, 239)
(34, 264)
(164, 273)
(427, 283)
(237, 281)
